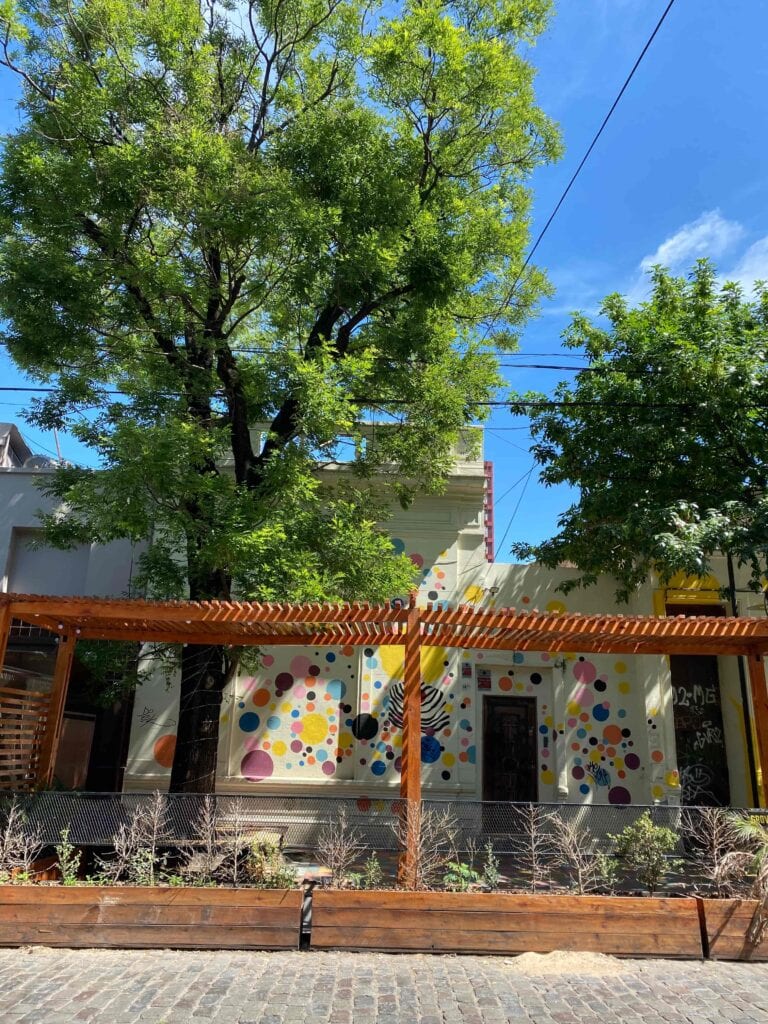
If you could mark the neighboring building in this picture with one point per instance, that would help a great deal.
(599, 729)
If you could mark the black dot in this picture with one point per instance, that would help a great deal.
(390, 756)
(308, 750)
(432, 595)
(446, 663)
(626, 732)
(581, 658)
(311, 695)
(368, 652)
(365, 727)
(535, 678)
(653, 726)
(600, 685)
(593, 741)
(346, 708)
(339, 760)
(445, 775)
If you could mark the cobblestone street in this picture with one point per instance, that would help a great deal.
(46, 986)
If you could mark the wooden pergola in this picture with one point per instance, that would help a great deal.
(30, 723)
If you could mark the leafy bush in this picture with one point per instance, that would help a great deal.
(459, 877)
(645, 849)
(69, 858)
(266, 868)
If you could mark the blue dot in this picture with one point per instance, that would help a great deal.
(295, 713)
(377, 685)
(330, 656)
(301, 764)
(518, 659)
(584, 788)
(430, 749)
(622, 713)
(471, 755)
(543, 729)
(249, 722)
(378, 767)
(371, 663)
(322, 755)
(600, 713)
(336, 688)
(581, 733)
(465, 724)
(241, 704)
(273, 722)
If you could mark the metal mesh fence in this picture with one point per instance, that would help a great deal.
(93, 819)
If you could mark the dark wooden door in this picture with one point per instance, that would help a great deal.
(509, 748)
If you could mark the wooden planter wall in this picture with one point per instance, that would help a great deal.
(151, 918)
(23, 716)
(727, 924)
(505, 923)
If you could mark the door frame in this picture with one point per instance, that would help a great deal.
(533, 710)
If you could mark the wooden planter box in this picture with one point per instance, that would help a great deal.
(150, 918)
(505, 923)
(727, 924)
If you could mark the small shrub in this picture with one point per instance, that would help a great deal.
(459, 877)
(645, 849)
(491, 875)
(533, 843)
(721, 855)
(339, 846)
(588, 868)
(430, 835)
(372, 876)
(266, 868)
(20, 845)
(69, 858)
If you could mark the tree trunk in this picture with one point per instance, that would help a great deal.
(203, 677)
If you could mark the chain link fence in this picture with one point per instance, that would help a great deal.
(93, 819)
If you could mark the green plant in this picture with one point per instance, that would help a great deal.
(459, 877)
(491, 875)
(754, 835)
(69, 858)
(266, 868)
(371, 877)
(645, 848)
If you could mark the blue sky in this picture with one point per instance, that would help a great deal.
(679, 172)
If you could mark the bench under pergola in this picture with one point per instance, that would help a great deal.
(30, 723)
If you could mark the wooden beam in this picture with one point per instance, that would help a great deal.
(410, 772)
(5, 630)
(760, 710)
(50, 745)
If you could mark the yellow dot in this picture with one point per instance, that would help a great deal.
(547, 777)
(619, 668)
(574, 708)
(392, 657)
(653, 712)
(315, 728)
(556, 607)
(623, 686)
(672, 779)
(272, 707)
(619, 762)
(224, 719)
(658, 792)
(549, 720)
(397, 741)
(285, 707)
(519, 686)
(367, 677)
(279, 748)
(473, 594)
(448, 708)
(448, 760)
(594, 756)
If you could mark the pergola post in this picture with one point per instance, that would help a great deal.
(760, 710)
(410, 775)
(50, 745)
(5, 630)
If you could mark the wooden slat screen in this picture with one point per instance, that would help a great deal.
(23, 716)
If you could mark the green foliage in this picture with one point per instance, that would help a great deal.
(667, 436)
(303, 219)
(266, 868)
(645, 848)
(459, 877)
(69, 858)
(491, 875)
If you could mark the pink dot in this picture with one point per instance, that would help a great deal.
(584, 696)
(299, 665)
(584, 671)
(329, 767)
(256, 765)
(299, 691)
(545, 752)
(297, 727)
(418, 560)
(297, 746)
(252, 743)
(572, 723)
(545, 657)
(267, 660)
(465, 742)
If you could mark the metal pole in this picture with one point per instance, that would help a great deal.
(743, 690)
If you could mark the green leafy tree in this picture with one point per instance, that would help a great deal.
(664, 435)
(300, 213)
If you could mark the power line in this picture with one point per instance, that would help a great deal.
(528, 476)
(591, 146)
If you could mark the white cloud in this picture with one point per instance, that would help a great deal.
(753, 266)
(710, 235)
